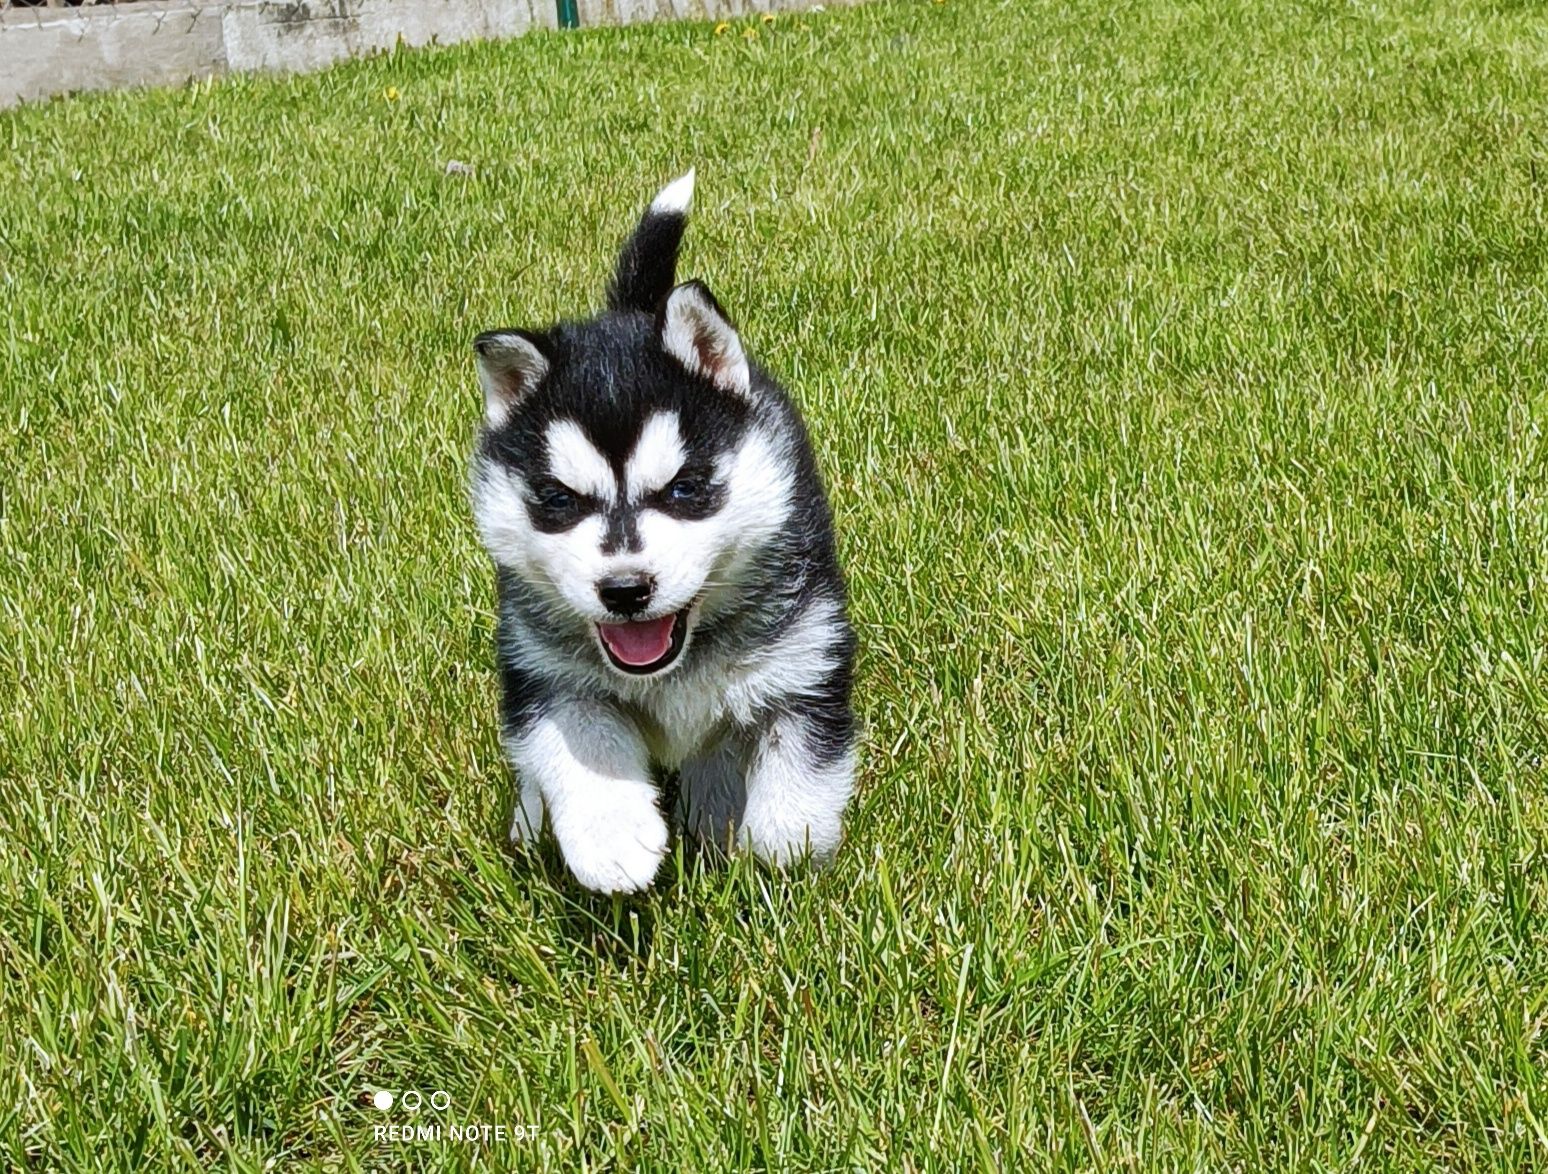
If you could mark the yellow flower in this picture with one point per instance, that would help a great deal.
(750, 34)
(722, 28)
(767, 18)
(391, 93)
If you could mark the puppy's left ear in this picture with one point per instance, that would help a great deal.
(511, 364)
(696, 332)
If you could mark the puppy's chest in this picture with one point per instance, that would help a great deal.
(679, 724)
(692, 714)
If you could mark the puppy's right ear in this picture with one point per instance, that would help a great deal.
(511, 364)
(696, 332)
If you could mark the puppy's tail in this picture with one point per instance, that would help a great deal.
(647, 266)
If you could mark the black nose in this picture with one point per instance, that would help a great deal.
(626, 595)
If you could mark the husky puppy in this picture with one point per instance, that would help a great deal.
(670, 599)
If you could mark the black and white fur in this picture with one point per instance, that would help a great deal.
(642, 447)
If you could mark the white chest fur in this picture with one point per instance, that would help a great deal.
(685, 713)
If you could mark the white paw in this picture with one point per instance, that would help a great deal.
(616, 845)
(781, 839)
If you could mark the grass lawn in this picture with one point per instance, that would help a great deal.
(1178, 371)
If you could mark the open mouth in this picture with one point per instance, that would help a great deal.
(643, 647)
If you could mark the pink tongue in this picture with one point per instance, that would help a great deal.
(639, 643)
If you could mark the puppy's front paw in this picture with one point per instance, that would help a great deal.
(782, 837)
(613, 843)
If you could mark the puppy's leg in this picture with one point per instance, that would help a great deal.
(591, 768)
(519, 697)
(527, 818)
(799, 780)
(712, 791)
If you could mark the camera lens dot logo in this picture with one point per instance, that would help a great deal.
(412, 1100)
(440, 1100)
(382, 1100)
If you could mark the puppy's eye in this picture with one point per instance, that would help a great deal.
(553, 496)
(684, 489)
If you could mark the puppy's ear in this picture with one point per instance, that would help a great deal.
(511, 364)
(696, 332)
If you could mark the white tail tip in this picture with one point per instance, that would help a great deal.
(675, 197)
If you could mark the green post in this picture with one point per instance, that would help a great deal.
(569, 17)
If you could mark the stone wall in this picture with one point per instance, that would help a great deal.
(46, 51)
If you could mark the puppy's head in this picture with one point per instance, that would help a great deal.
(623, 472)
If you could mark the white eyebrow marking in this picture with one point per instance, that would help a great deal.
(575, 461)
(658, 455)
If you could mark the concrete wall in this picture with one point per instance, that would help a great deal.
(51, 50)
(593, 12)
(47, 51)
(309, 34)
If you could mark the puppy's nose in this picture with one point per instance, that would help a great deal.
(626, 595)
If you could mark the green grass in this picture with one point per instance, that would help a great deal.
(1179, 374)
